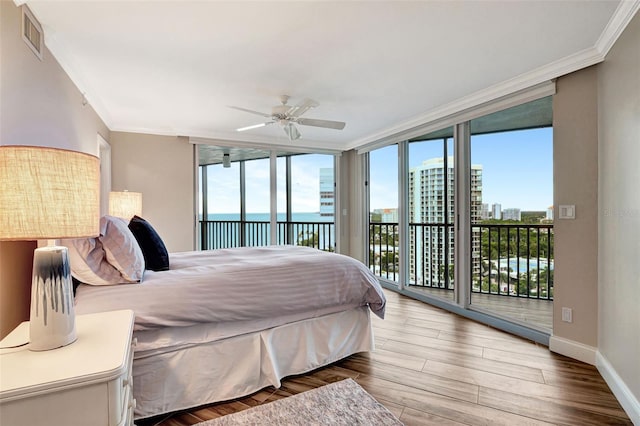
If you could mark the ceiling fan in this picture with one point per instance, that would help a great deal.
(288, 116)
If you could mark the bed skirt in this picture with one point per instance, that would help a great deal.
(241, 365)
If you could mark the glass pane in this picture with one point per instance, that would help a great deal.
(512, 214)
(383, 215)
(312, 201)
(431, 214)
(223, 204)
(257, 202)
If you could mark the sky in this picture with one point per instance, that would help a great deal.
(517, 173)
(305, 182)
(517, 168)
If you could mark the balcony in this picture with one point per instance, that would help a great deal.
(241, 233)
(511, 264)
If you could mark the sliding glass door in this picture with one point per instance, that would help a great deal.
(476, 204)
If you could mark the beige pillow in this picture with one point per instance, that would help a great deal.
(121, 248)
(89, 264)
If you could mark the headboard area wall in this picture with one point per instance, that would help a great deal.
(40, 106)
(16, 259)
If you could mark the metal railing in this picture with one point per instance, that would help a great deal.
(506, 259)
(217, 234)
(514, 260)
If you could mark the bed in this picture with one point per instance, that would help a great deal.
(223, 324)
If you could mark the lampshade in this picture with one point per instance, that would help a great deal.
(125, 204)
(48, 193)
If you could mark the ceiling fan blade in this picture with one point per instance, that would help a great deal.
(292, 131)
(251, 111)
(255, 126)
(338, 125)
(301, 108)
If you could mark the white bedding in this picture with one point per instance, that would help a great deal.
(248, 285)
(241, 319)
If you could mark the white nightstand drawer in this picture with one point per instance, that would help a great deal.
(86, 382)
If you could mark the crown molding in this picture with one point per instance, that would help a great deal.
(566, 65)
(590, 56)
(621, 17)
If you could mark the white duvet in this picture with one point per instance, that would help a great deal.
(243, 285)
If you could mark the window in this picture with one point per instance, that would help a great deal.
(384, 242)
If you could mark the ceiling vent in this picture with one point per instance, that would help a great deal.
(32, 32)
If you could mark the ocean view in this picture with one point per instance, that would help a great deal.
(264, 217)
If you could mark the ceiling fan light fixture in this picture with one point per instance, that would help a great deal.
(226, 161)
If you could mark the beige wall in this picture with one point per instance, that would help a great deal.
(619, 206)
(39, 105)
(575, 170)
(16, 258)
(162, 169)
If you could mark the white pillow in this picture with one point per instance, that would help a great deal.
(121, 248)
(89, 263)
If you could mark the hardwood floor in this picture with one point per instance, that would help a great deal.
(434, 367)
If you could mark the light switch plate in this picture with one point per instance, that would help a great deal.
(567, 211)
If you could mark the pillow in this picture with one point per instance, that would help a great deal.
(154, 251)
(121, 248)
(89, 264)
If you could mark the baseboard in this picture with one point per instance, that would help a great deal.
(625, 397)
(572, 349)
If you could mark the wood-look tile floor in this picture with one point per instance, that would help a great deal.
(432, 367)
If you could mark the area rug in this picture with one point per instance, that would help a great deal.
(341, 403)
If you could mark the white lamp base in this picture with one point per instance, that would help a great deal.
(53, 321)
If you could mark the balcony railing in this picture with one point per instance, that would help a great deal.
(239, 233)
(506, 259)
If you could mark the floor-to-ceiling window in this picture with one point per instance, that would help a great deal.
(384, 242)
(513, 269)
(235, 198)
(431, 171)
(500, 164)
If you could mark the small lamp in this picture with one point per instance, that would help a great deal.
(49, 193)
(125, 204)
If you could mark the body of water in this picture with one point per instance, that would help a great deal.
(223, 231)
(264, 217)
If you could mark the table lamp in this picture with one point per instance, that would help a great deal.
(125, 204)
(48, 194)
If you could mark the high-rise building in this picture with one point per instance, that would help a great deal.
(327, 192)
(484, 212)
(496, 211)
(431, 196)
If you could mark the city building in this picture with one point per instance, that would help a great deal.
(511, 214)
(327, 192)
(387, 215)
(484, 212)
(549, 213)
(496, 211)
(431, 198)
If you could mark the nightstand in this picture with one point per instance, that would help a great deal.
(88, 382)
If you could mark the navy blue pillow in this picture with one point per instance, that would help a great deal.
(156, 257)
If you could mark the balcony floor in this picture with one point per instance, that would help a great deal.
(535, 312)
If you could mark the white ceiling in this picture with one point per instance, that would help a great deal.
(174, 67)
